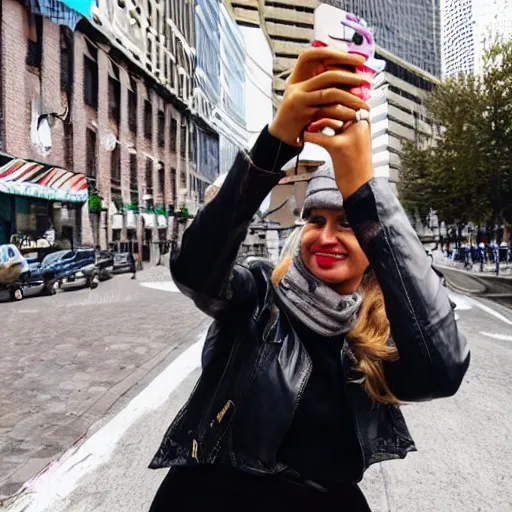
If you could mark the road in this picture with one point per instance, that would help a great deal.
(464, 463)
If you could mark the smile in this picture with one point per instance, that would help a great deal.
(336, 256)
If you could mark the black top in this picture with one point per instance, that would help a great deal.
(322, 443)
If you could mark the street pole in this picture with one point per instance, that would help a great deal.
(139, 239)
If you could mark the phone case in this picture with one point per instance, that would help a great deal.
(343, 31)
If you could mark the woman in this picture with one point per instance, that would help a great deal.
(304, 365)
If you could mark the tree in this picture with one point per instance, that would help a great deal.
(465, 173)
(498, 126)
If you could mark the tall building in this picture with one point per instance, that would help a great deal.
(219, 96)
(288, 27)
(398, 113)
(458, 43)
(410, 30)
(469, 27)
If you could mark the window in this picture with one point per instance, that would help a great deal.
(202, 188)
(183, 141)
(173, 186)
(114, 100)
(90, 82)
(34, 32)
(115, 165)
(149, 176)
(68, 145)
(133, 172)
(91, 153)
(148, 120)
(174, 134)
(132, 111)
(183, 180)
(66, 59)
(161, 129)
(161, 181)
(191, 146)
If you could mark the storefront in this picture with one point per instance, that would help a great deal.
(39, 201)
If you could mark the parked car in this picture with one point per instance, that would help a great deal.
(67, 267)
(105, 265)
(38, 281)
(14, 270)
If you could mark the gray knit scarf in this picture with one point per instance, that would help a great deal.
(316, 304)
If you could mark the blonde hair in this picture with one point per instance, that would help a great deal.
(368, 340)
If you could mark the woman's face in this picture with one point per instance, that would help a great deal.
(331, 252)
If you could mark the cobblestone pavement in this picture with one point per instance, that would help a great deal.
(66, 359)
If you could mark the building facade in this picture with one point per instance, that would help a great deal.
(409, 30)
(221, 79)
(109, 95)
(398, 113)
(288, 28)
(37, 175)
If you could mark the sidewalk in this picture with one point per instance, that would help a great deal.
(488, 268)
(67, 359)
(477, 284)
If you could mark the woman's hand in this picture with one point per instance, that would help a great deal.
(313, 93)
(350, 149)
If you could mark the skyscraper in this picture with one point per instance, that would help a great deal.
(469, 27)
(409, 29)
(458, 43)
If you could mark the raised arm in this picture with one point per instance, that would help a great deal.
(204, 269)
(433, 355)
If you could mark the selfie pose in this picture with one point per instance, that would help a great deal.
(306, 364)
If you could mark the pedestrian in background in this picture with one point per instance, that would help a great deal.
(133, 265)
(305, 365)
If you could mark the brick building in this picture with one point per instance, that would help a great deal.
(123, 119)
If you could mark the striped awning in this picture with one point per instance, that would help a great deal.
(33, 179)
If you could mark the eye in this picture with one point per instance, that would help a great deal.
(343, 222)
(316, 220)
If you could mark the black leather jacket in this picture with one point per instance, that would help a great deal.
(255, 368)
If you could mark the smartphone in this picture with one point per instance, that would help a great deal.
(343, 31)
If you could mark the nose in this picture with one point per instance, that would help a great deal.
(328, 235)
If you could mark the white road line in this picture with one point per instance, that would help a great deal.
(63, 475)
(165, 286)
(497, 336)
(491, 311)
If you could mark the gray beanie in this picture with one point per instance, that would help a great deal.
(322, 191)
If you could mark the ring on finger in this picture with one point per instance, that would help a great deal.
(362, 115)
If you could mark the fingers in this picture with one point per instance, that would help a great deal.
(325, 141)
(317, 126)
(334, 112)
(311, 63)
(334, 78)
(334, 96)
(317, 55)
